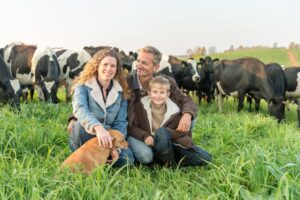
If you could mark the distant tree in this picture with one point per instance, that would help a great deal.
(231, 48)
(275, 45)
(212, 50)
(292, 45)
(189, 52)
(241, 47)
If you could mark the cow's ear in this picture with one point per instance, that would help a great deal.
(184, 63)
(201, 61)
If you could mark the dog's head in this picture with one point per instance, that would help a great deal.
(118, 139)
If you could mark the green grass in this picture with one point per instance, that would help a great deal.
(253, 158)
(266, 55)
(297, 52)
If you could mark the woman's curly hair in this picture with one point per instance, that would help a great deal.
(91, 69)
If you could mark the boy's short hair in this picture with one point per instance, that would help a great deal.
(161, 81)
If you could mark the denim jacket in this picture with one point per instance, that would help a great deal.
(90, 109)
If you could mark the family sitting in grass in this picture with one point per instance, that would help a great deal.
(158, 117)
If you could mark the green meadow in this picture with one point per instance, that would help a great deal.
(266, 55)
(253, 158)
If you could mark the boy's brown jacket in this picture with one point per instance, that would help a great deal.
(138, 124)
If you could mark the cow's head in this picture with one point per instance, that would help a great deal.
(206, 66)
(47, 75)
(14, 91)
(190, 68)
(276, 108)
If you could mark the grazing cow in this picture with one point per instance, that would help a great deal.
(246, 76)
(292, 75)
(33, 65)
(71, 63)
(207, 83)
(10, 88)
(276, 74)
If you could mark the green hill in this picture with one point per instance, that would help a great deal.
(267, 55)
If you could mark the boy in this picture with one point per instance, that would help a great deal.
(155, 122)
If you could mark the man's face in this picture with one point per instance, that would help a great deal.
(158, 94)
(145, 67)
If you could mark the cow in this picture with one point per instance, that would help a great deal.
(33, 65)
(246, 76)
(276, 74)
(10, 88)
(207, 83)
(292, 75)
(125, 59)
(71, 63)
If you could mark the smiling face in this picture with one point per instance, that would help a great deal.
(107, 69)
(145, 66)
(158, 94)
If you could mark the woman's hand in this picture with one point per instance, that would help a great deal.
(70, 126)
(149, 141)
(114, 156)
(103, 136)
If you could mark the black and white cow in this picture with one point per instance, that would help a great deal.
(292, 75)
(246, 76)
(71, 63)
(33, 65)
(207, 83)
(10, 88)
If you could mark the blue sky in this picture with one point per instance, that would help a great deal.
(172, 26)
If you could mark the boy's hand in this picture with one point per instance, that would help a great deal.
(149, 141)
(185, 122)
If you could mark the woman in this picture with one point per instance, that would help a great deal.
(100, 103)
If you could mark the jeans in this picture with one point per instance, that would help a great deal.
(164, 151)
(79, 136)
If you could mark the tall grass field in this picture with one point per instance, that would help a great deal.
(253, 158)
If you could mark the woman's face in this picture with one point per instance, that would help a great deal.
(107, 68)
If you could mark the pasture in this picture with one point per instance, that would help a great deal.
(266, 55)
(253, 158)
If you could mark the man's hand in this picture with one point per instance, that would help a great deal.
(103, 136)
(149, 141)
(70, 126)
(185, 122)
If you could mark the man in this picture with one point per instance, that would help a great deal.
(147, 64)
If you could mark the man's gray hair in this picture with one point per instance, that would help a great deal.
(154, 51)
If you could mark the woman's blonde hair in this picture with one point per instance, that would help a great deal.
(91, 69)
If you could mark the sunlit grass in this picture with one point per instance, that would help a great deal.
(253, 158)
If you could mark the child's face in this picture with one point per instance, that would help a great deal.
(158, 94)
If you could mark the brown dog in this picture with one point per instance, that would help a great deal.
(90, 154)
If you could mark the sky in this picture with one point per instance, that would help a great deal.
(173, 26)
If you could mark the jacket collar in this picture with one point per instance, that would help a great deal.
(172, 108)
(97, 94)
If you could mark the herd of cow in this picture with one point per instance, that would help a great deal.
(24, 68)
